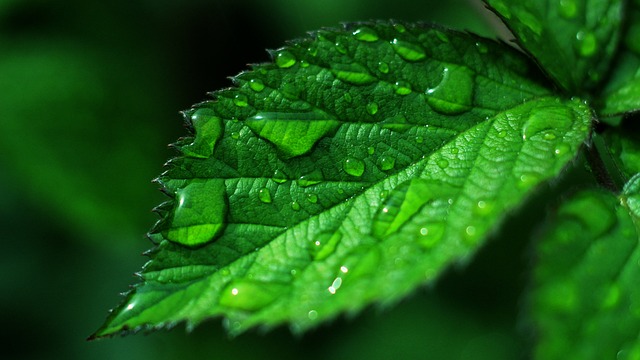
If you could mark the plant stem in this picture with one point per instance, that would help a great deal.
(599, 169)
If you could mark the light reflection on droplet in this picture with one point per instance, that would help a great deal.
(234, 291)
(344, 269)
(335, 285)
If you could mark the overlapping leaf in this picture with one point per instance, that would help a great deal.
(573, 40)
(586, 300)
(355, 167)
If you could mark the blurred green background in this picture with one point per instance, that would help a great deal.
(89, 97)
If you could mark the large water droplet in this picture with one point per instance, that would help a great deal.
(250, 295)
(264, 195)
(353, 73)
(324, 244)
(546, 118)
(387, 163)
(366, 34)
(587, 43)
(568, 9)
(454, 94)
(293, 133)
(199, 214)
(208, 130)
(408, 51)
(312, 178)
(256, 85)
(353, 166)
(285, 59)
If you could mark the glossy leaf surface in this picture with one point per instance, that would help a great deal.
(573, 40)
(586, 300)
(355, 167)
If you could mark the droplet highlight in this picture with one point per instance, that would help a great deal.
(408, 51)
(250, 295)
(587, 43)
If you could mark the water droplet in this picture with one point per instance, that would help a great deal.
(587, 43)
(387, 163)
(431, 234)
(313, 198)
(264, 195)
(455, 150)
(324, 244)
(353, 166)
(419, 139)
(340, 46)
(372, 108)
(285, 59)
(295, 206)
(313, 178)
(366, 34)
(408, 51)
(312, 50)
(384, 194)
(383, 67)
(442, 163)
(208, 130)
(371, 150)
(403, 88)
(312, 315)
(528, 181)
(250, 295)
(353, 73)
(235, 135)
(549, 135)
(484, 207)
(241, 100)
(568, 9)
(482, 48)
(293, 133)
(562, 149)
(502, 133)
(454, 94)
(397, 122)
(546, 118)
(399, 27)
(256, 85)
(200, 212)
(470, 235)
(279, 176)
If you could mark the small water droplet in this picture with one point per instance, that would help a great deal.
(587, 43)
(312, 50)
(313, 178)
(482, 48)
(546, 119)
(279, 176)
(549, 135)
(256, 85)
(340, 46)
(312, 315)
(371, 150)
(399, 27)
(366, 34)
(568, 9)
(454, 150)
(484, 207)
(403, 88)
(442, 163)
(372, 108)
(502, 133)
(264, 195)
(470, 234)
(419, 139)
(304, 64)
(527, 181)
(383, 67)
(235, 135)
(353, 166)
(295, 206)
(353, 73)
(250, 295)
(387, 163)
(562, 149)
(431, 234)
(241, 100)
(285, 59)
(408, 51)
(454, 94)
(313, 198)
(384, 194)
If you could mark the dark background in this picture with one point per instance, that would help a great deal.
(89, 97)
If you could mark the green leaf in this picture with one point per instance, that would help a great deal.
(622, 92)
(586, 299)
(357, 166)
(572, 40)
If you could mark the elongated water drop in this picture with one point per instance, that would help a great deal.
(208, 130)
(312, 178)
(547, 118)
(293, 133)
(285, 59)
(279, 176)
(454, 94)
(353, 166)
(199, 214)
(366, 34)
(353, 73)
(562, 149)
(250, 295)
(408, 51)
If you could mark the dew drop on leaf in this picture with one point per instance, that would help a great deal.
(353, 166)
(543, 119)
(295, 206)
(208, 130)
(442, 163)
(312, 315)
(292, 133)
(587, 43)
(403, 88)
(371, 150)
(264, 195)
(372, 108)
(482, 48)
(387, 163)
(484, 207)
(454, 94)
(313, 178)
(383, 67)
(528, 181)
(366, 34)
(353, 73)
(200, 212)
(399, 28)
(502, 133)
(313, 198)
(431, 234)
(341, 47)
(397, 122)
(562, 149)
(407, 50)
(250, 295)
(256, 85)
(241, 100)
(235, 135)
(279, 176)
(285, 59)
